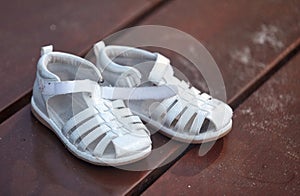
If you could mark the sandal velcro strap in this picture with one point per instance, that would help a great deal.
(52, 88)
(139, 93)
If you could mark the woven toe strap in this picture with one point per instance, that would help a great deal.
(100, 133)
(190, 109)
(129, 120)
(180, 116)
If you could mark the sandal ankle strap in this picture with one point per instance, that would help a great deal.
(139, 93)
(53, 88)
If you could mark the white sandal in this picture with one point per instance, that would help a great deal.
(67, 99)
(189, 116)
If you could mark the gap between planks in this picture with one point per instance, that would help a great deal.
(265, 74)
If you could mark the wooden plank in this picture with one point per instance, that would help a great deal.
(218, 34)
(259, 157)
(34, 161)
(70, 26)
(243, 37)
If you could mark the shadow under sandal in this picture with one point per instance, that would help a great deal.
(188, 116)
(67, 99)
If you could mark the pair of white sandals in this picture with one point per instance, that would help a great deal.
(86, 103)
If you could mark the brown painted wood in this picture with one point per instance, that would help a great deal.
(264, 75)
(224, 33)
(243, 37)
(71, 26)
(259, 157)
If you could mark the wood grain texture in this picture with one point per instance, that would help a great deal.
(261, 154)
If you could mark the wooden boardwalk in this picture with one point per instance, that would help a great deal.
(256, 46)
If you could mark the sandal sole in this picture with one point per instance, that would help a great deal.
(174, 135)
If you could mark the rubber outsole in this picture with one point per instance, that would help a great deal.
(188, 139)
